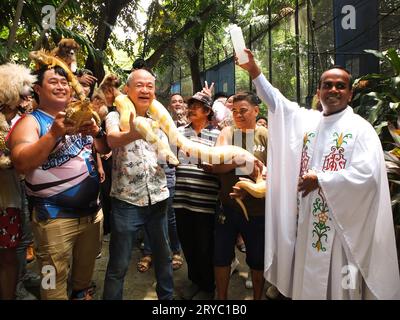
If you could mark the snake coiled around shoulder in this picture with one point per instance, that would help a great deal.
(213, 155)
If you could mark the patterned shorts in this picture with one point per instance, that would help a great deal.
(10, 227)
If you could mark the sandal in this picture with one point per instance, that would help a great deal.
(144, 264)
(177, 261)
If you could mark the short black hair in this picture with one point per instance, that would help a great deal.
(142, 64)
(248, 96)
(40, 76)
(220, 94)
(261, 117)
(211, 114)
(337, 66)
(174, 94)
(83, 71)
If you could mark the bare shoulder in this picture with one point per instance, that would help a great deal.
(262, 130)
(24, 131)
(224, 136)
(226, 131)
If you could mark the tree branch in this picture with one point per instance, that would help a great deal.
(13, 30)
(107, 19)
(43, 32)
(153, 59)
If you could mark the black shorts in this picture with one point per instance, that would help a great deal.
(252, 231)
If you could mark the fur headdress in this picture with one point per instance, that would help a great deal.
(15, 81)
(110, 81)
(66, 50)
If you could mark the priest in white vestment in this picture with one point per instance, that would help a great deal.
(329, 226)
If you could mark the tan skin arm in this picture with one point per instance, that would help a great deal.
(241, 193)
(222, 140)
(100, 168)
(117, 138)
(87, 79)
(251, 66)
(28, 151)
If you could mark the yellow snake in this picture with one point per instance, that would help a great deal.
(125, 106)
(212, 155)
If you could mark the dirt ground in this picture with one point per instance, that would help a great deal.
(141, 286)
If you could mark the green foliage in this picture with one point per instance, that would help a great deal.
(30, 27)
(170, 17)
(82, 19)
(78, 19)
(377, 98)
(392, 159)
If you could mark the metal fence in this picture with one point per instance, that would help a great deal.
(295, 47)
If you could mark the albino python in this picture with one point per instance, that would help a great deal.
(78, 111)
(81, 111)
(212, 155)
(125, 106)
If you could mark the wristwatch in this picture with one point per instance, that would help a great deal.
(100, 134)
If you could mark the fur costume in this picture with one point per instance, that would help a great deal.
(66, 50)
(110, 81)
(15, 82)
(99, 101)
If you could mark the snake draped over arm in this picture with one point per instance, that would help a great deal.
(213, 155)
(81, 111)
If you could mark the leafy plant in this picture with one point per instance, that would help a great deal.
(377, 95)
(392, 159)
(377, 98)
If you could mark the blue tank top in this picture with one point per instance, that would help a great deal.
(66, 185)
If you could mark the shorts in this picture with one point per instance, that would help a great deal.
(253, 234)
(10, 227)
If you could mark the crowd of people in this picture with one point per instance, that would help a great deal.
(327, 206)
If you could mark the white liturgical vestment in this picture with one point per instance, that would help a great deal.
(337, 242)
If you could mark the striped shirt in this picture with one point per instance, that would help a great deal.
(196, 190)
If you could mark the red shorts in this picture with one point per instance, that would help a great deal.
(10, 227)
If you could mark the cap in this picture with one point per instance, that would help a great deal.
(201, 97)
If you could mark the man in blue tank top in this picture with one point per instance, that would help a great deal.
(62, 185)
